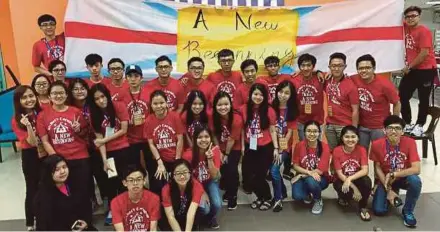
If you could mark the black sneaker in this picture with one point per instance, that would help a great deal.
(232, 203)
(225, 198)
(278, 206)
(214, 225)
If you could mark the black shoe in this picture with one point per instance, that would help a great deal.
(278, 206)
(214, 225)
(232, 203)
(287, 175)
(225, 198)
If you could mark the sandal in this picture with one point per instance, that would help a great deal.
(364, 215)
(256, 204)
(342, 202)
(265, 205)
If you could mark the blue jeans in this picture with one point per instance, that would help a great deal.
(306, 186)
(277, 180)
(366, 136)
(413, 186)
(215, 202)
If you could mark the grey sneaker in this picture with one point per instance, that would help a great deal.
(408, 128)
(317, 206)
(417, 130)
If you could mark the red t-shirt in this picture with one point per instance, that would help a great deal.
(400, 158)
(121, 116)
(234, 133)
(137, 103)
(341, 96)
(206, 87)
(309, 93)
(164, 133)
(173, 90)
(350, 163)
(282, 127)
(241, 95)
(189, 128)
(272, 83)
(416, 39)
(136, 216)
(22, 134)
(45, 106)
(117, 91)
(226, 84)
(47, 51)
(105, 81)
(201, 172)
(263, 136)
(307, 157)
(58, 127)
(375, 99)
(197, 193)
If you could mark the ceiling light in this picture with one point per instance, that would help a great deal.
(432, 2)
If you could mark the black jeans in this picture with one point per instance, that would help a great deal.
(79, 179)
(230, 176)
(420, 79)
(364, 186)
(115, 183)
(156, 185)
(256, 165)
(98, 172)
(31, 165)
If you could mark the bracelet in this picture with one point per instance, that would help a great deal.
(158, 159)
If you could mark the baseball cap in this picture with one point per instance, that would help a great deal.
(133, 68)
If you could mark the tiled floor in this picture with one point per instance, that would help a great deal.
(293, 217)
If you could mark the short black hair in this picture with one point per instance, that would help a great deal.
(54, 63)
(394, 119)
(306, 57)
(338, 55)
(133, 168)
(163, 58)
(366, 57)
(46, 18)
(92, 59)
(247, 63)
(194, 59)
(271, 60)
(412, 8)
(224, 53)
(114, 60)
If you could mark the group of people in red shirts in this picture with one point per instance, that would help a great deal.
(187, 138)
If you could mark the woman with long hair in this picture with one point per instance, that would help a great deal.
(286, 110)
(57, 207)
(181, 198)
(41, 83)
(62, 130)
(261, 144)
(194, 114)
(110, 123)
(350, 161)
(23, 123)
(227, 126)
(311, 160)
(205, 161)
(165, 138)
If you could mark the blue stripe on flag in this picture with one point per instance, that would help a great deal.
(162, 8)
(224, 3)
(254, 2)
(197, 1)
(267, 2)
(305, 10)
(211, 2)
(241, 2)
(280, 2)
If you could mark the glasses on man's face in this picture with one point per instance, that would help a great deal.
(48, 24)
(184, 173)
(115, 69)
(367, 68)
(62, 93)
(394, 128)
(163, 67)
(135, 181)
(312, 131)
(413, 16)
(196, 68)
(59, 70)
(42, 84)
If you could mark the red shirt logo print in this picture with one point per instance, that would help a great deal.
(62, 128)
(308, 94)
(226, 86)
(137, 219)
(225, 134)
(310, 161)
(396, 160)
(350, 167)
(164, 136)
(171, 99)
(366, 99)
(333, 92)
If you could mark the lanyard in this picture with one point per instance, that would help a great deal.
(53, 52)
(255, 124)
(312, 163)
(135, 102)
(393, 159)
(282, 123)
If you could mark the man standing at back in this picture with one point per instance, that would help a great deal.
(225, 79)
(49, 48)
(419, 71)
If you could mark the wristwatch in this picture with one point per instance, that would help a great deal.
(392, 175)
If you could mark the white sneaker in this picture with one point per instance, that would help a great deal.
(417, 130)
(408, 128)
(317, 206)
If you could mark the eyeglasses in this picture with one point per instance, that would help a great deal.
(312, 131)
(116, 69)
(48, 24)
(337, 66)
(394, 128)
(196, 68)
(368, 68)
(411, 16)
(42, 85)
(181, 173)
(58, 70)
(163, 67)
(58, 93)
(135, 181)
